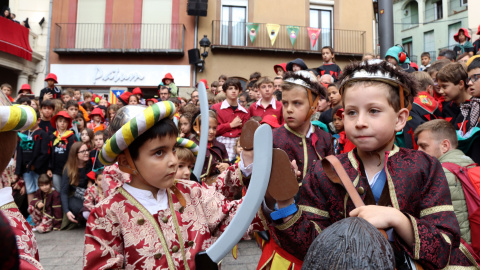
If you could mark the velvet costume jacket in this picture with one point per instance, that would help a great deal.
(52, 206)
(121, 233)
(416, 185)
(304, 150)
(216, 154)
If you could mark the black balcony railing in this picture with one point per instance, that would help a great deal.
(234, 35)
(119, 38)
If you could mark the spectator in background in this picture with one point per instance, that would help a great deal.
(13, 18)
(464, 44)
(194, 97)
(476, 43)
(447, 54)
(6, 13)
(164, 93)
(425, 59)
(463, 58)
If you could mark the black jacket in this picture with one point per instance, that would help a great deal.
(59, 153)
(55, 92)
(36, 157)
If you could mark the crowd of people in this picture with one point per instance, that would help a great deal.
(7, 14)
(391, 123)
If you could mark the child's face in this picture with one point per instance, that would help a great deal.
(50, 83)
(7, 91)
(392, 60)
(98, 180)
(425, 60)
(168, 81)
(81, 123)
(296, 67)
(84, 136)
(252, 94)
(280, 71)
(238, 149)
(461, 36)
(266, 90)
(97, 118)
(450, 91)
(213, 89)
(112, 114)
(103, 102)
(62, 124)
(326, 55)
(323, 104)
(474, 82)
(149, 103)
(47, 111)
(72, 111)
(185, 127)
(232, 93)
(258, 95)
(77, 95)
(66, 98)
(338, 123)
(184, 170)
(87, 99)
(33, 105)
(132, 100)
(370, 122)
(212, 129)
(221, 82)
(242, 100)
(334, 95)
(157, 163)
(295, 107)
(89, 111)
(45, 188)
(98, 141)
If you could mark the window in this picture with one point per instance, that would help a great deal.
(463, 2)
(90, 24)
(438, 9)
(322, 17)
(429, 43)
(407, 45)
(156, 30)
(234, 17)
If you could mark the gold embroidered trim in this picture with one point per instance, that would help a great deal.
(417, 237)
(391, 189)
(447, 239)
(152, 221)
(263, 219)
(465, 251)
(291, 221)
(355, 183)
(56, 206)
(314, 210)
(459, 267)
(353, 160)
(177, 229)
(316, 227)
(8, 206)
(305, 150)
(395, 150)
(435, 210)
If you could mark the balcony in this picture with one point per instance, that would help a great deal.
(120, 38)
(234, 36)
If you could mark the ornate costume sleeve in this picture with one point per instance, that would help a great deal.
(103, 242)
(36, 199)
(435, 227)
(296, 235)
(229, 182)
(57, 210)
(89, 201)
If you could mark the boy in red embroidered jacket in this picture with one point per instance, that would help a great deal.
(267, 105)
(405, 191)
(46, 207)
(302, 141)
(230, 116)
(152, 221)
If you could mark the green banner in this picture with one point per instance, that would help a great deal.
(293, 33)
(252, 29)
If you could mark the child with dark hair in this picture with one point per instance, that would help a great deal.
(255, 76)
(46, 207)
(425, 59)
(46, 108)
(464, 44)
(452, 82)
(267, 105)
(405, 191)
(32, 157)
(88, 107)
(67, 95)
(93, 195)
(230, 116)
(7, 90)
(97, 122)
(185, 126)
(343, 144)
(94, 163)
(51, 91)
(296, 65)
(221, 80)
(329, 66)
(214, 87)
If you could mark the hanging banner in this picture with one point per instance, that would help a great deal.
(293, 33)
(272, 30)
(313, 34)
(252, 29)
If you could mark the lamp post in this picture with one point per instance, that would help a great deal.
(205, 44)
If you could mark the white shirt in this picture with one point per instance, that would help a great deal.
(6, 196)
(225, 105)
(146, 199)
(272, 102)
(245, 170)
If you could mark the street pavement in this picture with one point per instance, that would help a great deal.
(63, 250)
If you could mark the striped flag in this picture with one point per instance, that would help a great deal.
(114, 95)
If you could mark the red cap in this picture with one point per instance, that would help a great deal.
(26, 86)
(282, 65)
(169, 77)
(91, 175)
(124, 97)
(137, 91)
(465, 32)
(51, 76)
(204, 82)
(97, 111)
(152, 99)
(339, 112)
(414, 65)
(271, 120)
(63, 114)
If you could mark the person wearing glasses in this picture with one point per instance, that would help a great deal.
(74, 182)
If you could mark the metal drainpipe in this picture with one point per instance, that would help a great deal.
(195, 46)
(47, 56)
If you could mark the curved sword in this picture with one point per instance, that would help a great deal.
(262, 158)
(202, 151)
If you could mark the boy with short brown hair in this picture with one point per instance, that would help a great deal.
(267, 105)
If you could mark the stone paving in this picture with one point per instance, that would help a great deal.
(63, 250)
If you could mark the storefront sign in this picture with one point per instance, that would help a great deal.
(119, 75)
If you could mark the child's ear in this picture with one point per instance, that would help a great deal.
(122, 160)
(402, 118)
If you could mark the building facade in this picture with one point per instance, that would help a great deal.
(16, 70)
(429, 25)
(123, 43)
